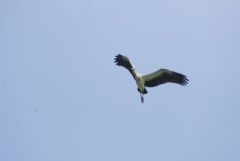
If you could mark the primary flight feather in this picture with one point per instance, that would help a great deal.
(156, 78)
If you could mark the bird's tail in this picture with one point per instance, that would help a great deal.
(143, 92)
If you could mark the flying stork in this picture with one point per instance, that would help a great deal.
(156, 78)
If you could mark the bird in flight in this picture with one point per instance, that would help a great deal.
(153, 79)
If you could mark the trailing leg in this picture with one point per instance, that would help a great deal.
(142, 97)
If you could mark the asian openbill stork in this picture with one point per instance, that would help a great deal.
(156, 78)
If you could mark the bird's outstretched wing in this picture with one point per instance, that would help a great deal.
(164, 76)
(123, 61)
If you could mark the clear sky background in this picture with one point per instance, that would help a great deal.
(63, 99)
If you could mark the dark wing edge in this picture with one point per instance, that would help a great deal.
(164, 76)
(123, 61)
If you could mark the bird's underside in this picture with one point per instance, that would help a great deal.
(153, 79)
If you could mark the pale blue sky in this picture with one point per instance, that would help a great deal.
(63, 99)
